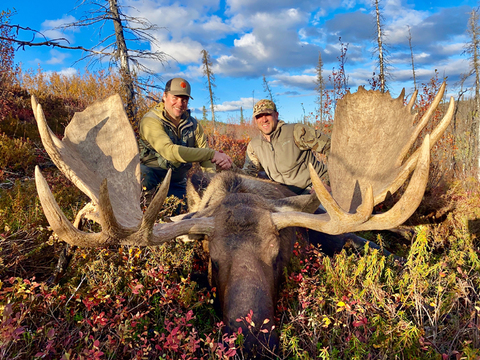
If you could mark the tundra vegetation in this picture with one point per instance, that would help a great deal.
(153, 302)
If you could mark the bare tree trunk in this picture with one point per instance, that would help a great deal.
(320, 81)
(242, 119)
(381, 60)
(207, 71)
(411, 54)
(122, 54)
(472, 50)
(267, 89)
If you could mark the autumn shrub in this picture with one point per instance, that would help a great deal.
(119, 302)
(16, 154)
(353, 307)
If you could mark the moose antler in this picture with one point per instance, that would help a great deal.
(99, 144)
(372, 134)
(371, 137)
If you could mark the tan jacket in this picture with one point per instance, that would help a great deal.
(166, 146)
(286, 157)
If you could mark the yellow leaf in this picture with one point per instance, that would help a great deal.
(341, 303)
(326, 321)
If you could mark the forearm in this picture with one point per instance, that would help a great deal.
(156, 136)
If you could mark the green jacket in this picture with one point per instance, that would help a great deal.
(286, 157)
(164, 145)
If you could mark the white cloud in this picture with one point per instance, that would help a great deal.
(57, 57)
(186, 51)
(249, 44)
(245, 103)
(51, 31)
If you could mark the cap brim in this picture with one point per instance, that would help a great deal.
(266, 111)
(179, 93)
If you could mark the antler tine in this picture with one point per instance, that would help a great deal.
(410, 200)
(58, 221)
(112, 233)
(107, 219)
(155, 206)
(411, 162)
(333, 209)
(423, 121)
(335, 221)
(412, 100)
(53, 145)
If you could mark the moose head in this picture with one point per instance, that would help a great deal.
(249, 223)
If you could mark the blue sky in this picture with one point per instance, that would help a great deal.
(278, 39)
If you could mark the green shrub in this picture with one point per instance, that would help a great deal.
(16, 154)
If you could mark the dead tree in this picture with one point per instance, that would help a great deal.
(320, 85)
(207, 71)
(266, 88)
(472, 49)
(382, 61)
(411, 55)
(116, 47)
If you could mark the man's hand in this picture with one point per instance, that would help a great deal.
(222, 160)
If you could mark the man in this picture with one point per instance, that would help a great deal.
(283, 151)
(170, 138)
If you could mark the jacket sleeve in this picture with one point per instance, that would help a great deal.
(252, 165)
(152, 131)
(307, 138)
(201, 142)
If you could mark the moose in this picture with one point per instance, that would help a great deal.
(249, 223)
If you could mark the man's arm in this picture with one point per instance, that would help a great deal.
(152, 131)
(307, 138)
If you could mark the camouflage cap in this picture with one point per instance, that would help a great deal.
(264, 107)
(178, 86)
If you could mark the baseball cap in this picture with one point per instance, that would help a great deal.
(264, 106)
(178, 86)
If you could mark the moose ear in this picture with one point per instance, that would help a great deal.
(196, 186)
(303, 203)
(193, 196)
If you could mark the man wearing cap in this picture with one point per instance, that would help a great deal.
(283, 151)
(170, 138)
